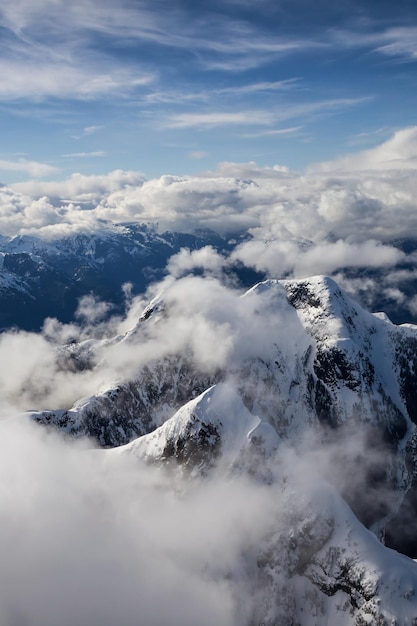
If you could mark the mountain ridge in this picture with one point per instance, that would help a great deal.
(334, 367)
(313, 399)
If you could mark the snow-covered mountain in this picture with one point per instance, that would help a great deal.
(316, 399)
(321, 365)
(317, 563)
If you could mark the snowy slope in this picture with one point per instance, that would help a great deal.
(316, 563)
(321, 566)
(213, 428)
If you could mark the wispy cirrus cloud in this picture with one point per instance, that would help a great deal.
(57, 35)
(273, 132)
(260, 117)
(219, 40)
(372, 135)
(251, 50)
(27, 79)
(397, 42)
(278, 85)
(83, 155)
(184, 96)
(219, 118)
(317, 107)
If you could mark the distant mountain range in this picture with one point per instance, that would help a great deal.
(40, 279)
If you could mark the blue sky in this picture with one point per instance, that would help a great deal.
(178, 86)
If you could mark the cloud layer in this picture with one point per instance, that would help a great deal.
(368, 195)
(95, 538)
(99, 543)
(338, 215)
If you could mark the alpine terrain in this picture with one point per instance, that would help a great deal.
(314, 400)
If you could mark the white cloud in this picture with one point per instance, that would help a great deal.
(250, 171)
(33, 168)
(327, 258)
(190, 120)
(226, 93)
(51, 49)
(84, 155)
(364, 137)
(62, 79)
(198, 154)
(99, 539)
(206, 259)
(89, 130)
(260, 117)
(396, 42)
(82, 187)
(343, 214)
(90, 542)
(400, 42)
(395, 294)
(412, 305)
(279, 257)
(206, 320)
(91, 310)
(279, 85)
(273, 132)
(397, 153)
